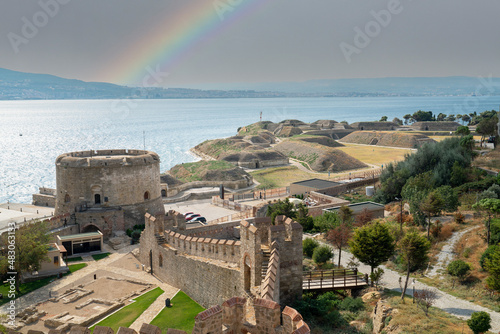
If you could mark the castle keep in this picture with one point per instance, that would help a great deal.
(213, 263)
(108, 190)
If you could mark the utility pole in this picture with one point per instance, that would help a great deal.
(261, 116)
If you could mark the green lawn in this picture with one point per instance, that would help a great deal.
(98, 257)
(127, 315)
(180, 315)
(24, 288)
(74, 259)
(75, 267)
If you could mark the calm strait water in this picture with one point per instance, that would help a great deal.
(171, 127)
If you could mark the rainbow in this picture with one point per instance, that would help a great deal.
(168, 43)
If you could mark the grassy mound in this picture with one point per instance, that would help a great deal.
(321, 140)
(207, 171)
(319, 157)
(381, 138)
(257, 128)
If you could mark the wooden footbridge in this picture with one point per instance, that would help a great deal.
(335, 279)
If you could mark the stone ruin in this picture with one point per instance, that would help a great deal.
(235, 315)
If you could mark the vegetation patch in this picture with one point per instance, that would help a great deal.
(319, 157)
(391, 138)
(98, 257)
(180, 316)
(127, 315)
(206, 171)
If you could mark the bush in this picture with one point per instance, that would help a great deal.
(308, 246)
(351, 304)
(459, 217)
(479, 322)
(495, 232)
(459, 268)
(446, 232)
(487, 255)
(322, 254)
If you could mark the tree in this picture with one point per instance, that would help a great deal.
(425, 299)
(467, 142)
(376, 276)
(462, 130)
(339, 237)
(441, 117)
(279, 208)
(492, 265)
(413, 249)
(372, 244)
(24, 249)
(322, 254)
(450, 118)
(490, 207)
(304, 219)
(415, 191)
(479, 322)
(450, 198)
(459, 269)
(397, 121)
(432, 205)
(423, 116)
(364, 217)
(407, 117)
(345, 214)
(383, 119)
(308, 246)
(466, 118)
(487, 127)
(326, 222)
(458, 174)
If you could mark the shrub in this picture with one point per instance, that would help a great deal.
(446, 232)
(459, 268)
(308, 246)
(459, 217)
(322, 254)
(351, 304)
(436, 228)
(479, 322)
(495, 231)
(467, 252)
(487, 255)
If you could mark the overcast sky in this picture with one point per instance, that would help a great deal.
(278, 40)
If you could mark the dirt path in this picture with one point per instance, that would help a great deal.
(446, 254)
(448, 303)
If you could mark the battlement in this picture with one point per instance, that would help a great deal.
(107, 158)
(217, 249)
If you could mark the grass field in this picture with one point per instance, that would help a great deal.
(74, 259)
(283, 176)
(127, 315)
(180, 315)
(31, 286)
(98, 257)
(375, 155)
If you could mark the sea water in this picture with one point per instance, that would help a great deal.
(34, 133)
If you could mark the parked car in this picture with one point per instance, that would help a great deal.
(191, 217)
(199, 220)
(188, 213)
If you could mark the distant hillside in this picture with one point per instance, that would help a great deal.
(391, 139)
(376, 86)
(29, 86)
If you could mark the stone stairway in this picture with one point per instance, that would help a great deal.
(266, 254)
(160, 239)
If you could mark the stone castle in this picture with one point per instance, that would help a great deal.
(213, 263)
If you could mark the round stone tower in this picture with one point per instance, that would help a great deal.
(93, 183)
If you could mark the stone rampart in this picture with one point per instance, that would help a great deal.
(216, 249)
(270, 285)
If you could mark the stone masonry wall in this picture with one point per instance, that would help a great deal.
(207, 281)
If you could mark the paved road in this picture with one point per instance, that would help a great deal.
(448, 303)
